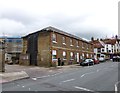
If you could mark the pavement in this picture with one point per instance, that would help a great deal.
(17, 72)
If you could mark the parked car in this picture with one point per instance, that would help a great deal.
(101, 59)
(116, 58)
(87, 62)
(96, 61)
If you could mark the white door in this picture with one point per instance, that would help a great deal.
(77, 57)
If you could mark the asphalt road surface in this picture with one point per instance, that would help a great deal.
(96, 78)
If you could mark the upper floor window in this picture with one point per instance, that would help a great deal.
(87, 46)
(82, 45)
(77, 43)
(99, 50)
(107, 49)
(91, 47)
(102, 50)
(64, 40)
(71, 42)
(54, 38)
(107, 45)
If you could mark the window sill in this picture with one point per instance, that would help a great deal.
(64, 59)
(64, 44)
(71, 59)
(54, 42)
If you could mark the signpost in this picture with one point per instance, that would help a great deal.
(2, 56)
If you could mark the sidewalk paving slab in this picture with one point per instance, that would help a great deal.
(8, 77)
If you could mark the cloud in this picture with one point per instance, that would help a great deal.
(84, 18)
(11, 27)
(19, 16)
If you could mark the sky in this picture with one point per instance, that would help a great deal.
(83, 18)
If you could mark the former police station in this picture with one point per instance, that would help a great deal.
(49, 46)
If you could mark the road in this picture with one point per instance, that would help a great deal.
(96, 78)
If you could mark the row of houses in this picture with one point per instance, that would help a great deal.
(45, 47)
(107, 47)
(48, 46)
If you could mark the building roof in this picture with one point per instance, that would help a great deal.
(97, 44)
(53, 29)
(109, 41)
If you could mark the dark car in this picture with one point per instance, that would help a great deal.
(116, 58)
(87, 62)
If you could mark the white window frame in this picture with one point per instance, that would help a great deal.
(54, 52)
(77, 43)
(71, 42)
(54, 41)
(71, 55)
(64, 40)
(64, 55)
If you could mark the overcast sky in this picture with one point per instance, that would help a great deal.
(83, 18)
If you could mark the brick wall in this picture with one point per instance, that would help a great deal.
(44, 53)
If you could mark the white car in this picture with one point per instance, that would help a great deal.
(101, 59)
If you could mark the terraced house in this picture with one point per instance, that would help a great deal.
(51, 47)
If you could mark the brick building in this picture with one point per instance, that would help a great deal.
(45, 47)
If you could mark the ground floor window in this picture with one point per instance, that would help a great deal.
(83, 55)
(87, 55)
(71, 55)
(54, 54)
(64, 55)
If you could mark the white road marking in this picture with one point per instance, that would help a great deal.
(89, 67)
(35, 78)
(40, 77)
(85, 89)
(83, 75)
(29, 89)
(56, 74)
(68, 80)
(81, 88)
(116, 86)
(87, 74)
